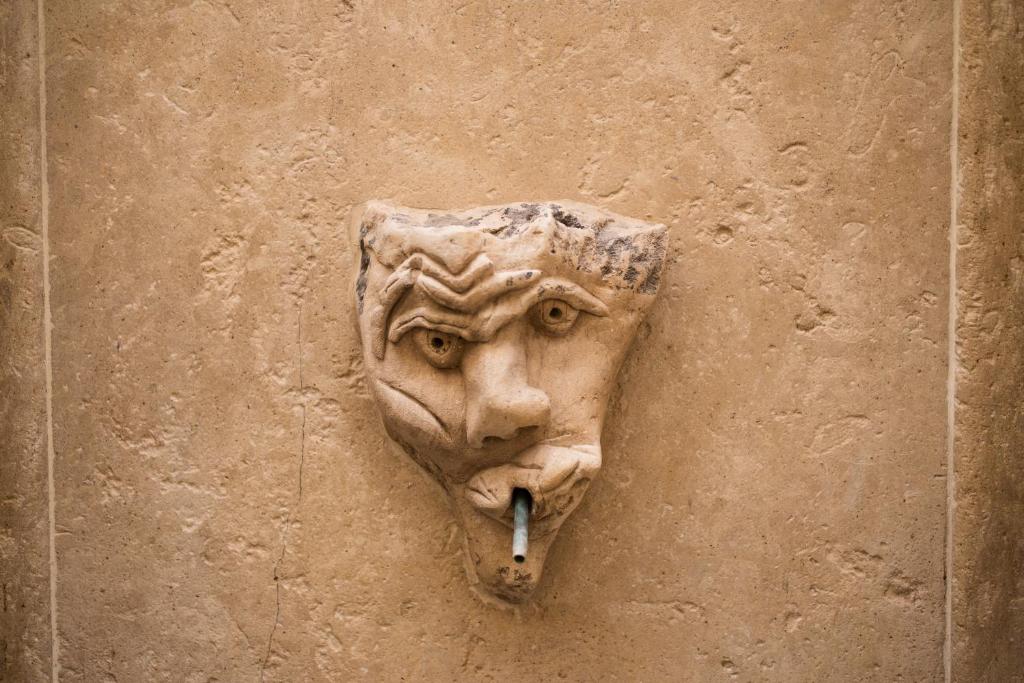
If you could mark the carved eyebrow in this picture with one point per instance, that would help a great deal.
(571, 293)
(479, 267)
(429, 317)
(498, 284)
(408, 274)
(493, 316)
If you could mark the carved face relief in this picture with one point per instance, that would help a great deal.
(492, 338)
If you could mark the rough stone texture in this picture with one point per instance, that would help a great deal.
(492, 340)
(772, 500)
(988, 588)
(24, 525)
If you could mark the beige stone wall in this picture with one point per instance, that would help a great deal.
(24, 517)
(773, 501)
(988, 615)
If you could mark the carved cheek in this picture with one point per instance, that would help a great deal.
(408, 419)
(420, 404)
(577, 373)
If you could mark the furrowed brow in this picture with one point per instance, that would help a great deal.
(409, 274)
(432, 318)
(480, 294)
(486, 322)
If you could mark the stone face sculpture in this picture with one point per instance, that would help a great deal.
(491, 340)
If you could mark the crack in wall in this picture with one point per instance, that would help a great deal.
(290, 517)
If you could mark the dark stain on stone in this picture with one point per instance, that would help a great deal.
(475, 222)
(364, 266)
(612, 249)
(567, 219)
(636, 259)
(518, 217)
(650, 283)
(657, 251)
(524, 213)
(522, 580)
(508, 231)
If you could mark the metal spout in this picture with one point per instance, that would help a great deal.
(521, 504)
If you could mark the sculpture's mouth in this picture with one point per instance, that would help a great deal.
(513, 512)
(554, 477)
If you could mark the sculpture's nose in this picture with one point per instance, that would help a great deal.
(503, 414)
(500, 403)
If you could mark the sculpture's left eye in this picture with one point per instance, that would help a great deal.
(555, 316)
(442, 350)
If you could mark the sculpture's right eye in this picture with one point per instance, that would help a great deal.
(555, 316)
(442, 350)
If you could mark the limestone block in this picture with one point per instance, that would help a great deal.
(24, 517)
(988, 524)
(771, 502)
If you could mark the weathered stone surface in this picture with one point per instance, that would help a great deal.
(492, 338)
(772, 504)
(24, 516)
(988, 553)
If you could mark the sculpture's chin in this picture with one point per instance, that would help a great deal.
(489, 557)
(556, 478)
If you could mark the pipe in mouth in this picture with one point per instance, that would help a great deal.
(522, 501)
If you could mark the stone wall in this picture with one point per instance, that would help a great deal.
(773, 501)
(988, 553)
(24, 515)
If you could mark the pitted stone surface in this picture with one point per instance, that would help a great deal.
(988, 551)
(773, 503)
(492, 339)
(24, 519)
